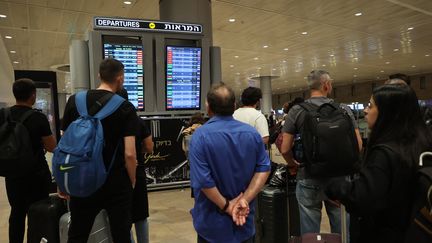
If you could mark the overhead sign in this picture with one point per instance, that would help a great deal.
(144, 25)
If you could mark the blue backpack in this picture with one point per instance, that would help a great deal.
(78, 165)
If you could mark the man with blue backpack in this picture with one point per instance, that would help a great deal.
(95, 161)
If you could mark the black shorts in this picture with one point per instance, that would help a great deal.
(140, 199)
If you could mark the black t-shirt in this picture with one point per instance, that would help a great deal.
(143, 132)
(38, 126)
(122, 123)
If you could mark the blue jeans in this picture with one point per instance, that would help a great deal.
(142, 231)
(310, 197)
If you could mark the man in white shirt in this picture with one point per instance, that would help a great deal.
(249, 114)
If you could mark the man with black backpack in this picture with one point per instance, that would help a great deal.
(119, 156)
(330, 142)
(25, 135)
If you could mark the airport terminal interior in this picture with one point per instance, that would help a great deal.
(269, 44)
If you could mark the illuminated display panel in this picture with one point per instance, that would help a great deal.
(128, 50)
(183, 78)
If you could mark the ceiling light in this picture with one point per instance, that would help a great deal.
(304, 33)
(259, 68)
(355, 58)
(277, 88)
(256, 58)
(395, 49)
(15, 62)
(127, 2)
(382, 71)
(237, 73)
(355, 76)
(284, 61)
(8, 37)
(265, 46)
(13, 52)
(355, 68)
(231, 20)
(286, 49)
(294, 85)
(387, 62)
(410, 28)
(332, 55)
(358, 14)
(2, 16)
(427, 55)
(413, 66)
(323, 65)
(378, 77)
(304, 77)
(236, 56)
(286, 81)
(274, 69)
(231, 66)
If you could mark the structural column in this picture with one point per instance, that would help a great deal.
(79, 65)
(266, 102)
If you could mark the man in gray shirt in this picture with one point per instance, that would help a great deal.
(309, 190)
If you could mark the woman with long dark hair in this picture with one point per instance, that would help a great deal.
(379, 200)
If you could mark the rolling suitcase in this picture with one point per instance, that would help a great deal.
(100, 231)
(277, 217)
(43, 219)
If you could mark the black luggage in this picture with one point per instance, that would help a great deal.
(43, 220)
(272, 224)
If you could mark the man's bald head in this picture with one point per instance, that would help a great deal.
(221, 100)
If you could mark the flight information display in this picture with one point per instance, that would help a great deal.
(129, 51)
(183, 78)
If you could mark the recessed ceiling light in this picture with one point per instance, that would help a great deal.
(427, 55)
(13, 52)
(231, 66)
(286, 81)
(232, 20)
(127, 2)
(410, 28)
(8, 37)
(355, 76)
(284, 61)
(274, 69)
(395, 49)
(294, 85)
(256, 58)
(286, 49)
(304, 33)
(2, 16)
(300, 63)
(236, 56)
(304, 77)
(323, 65)
(382, 71)
(332, 55)
(237, 73)
(387, 62)
(259, 68)
(277, 88)
(355, 58)
(15, 62)
(413, 66)
(378, 77)
(355, 68)
(265, 46)
(358, 14)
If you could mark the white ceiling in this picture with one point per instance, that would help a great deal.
(353, 48)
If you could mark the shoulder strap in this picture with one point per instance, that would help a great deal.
(81, 103)
(99, 104)
(308, 106)
(109, 108)
(26, 115)
(7, 114)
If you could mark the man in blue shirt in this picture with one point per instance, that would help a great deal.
(229, 166)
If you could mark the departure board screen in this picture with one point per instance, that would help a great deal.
(183, 78)
(129, 51)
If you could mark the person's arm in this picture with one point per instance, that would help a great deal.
(261, 126)
(220, 201)
(359, 139)
(286, 149)
(130, 158)
(147, 144)
(49, 143)
(265, 139)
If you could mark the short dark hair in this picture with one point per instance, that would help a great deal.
(109, 69)
(23, 89)
(221, 99)
(400, 76)
(251, 96)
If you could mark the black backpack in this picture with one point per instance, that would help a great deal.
(420, 228)
(330, 146)
(16, 153)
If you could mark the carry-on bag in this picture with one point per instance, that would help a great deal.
(100, 231)
(43, 219)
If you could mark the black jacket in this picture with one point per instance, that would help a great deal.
(380, 199)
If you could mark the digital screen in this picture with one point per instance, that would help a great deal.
(129, 51)
(183, 78)
(45, 103)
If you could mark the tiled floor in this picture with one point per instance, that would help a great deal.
(170, 220)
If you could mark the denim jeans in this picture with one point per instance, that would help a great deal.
(310, 197)
(142, 231)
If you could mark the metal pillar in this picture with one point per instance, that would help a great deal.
(79, 65)
(266, 101)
